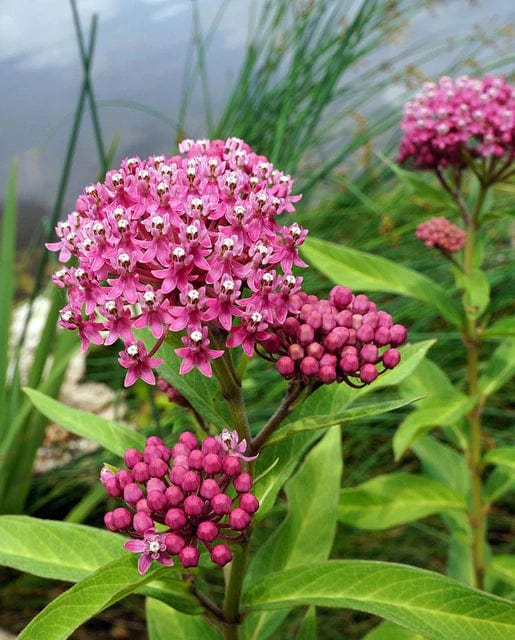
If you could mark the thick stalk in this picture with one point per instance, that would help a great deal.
(235, 574)
(477, 507)
(283, 410)
(230, 387)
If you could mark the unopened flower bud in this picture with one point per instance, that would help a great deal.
(221, 554)
(391, 358)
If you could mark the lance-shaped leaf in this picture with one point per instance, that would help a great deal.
(499, 369)
(317, 422)
(313, 503)
(391, 631)
(393, 499)
(70, 552)
(503, 567)
(58, 550)
(113, 436)
(503, 456)
(100, 590)
(437, 411)
(164, 623)
(201, 392)
(422, 601)
(365, 272)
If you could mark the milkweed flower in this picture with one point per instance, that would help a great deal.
(341, 339)
(180, 499)
(190, 242)
(451, 121)
(441, 233)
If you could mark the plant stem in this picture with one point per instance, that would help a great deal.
(283, 410)
(477, 507)
(230, 387)
(235, 574)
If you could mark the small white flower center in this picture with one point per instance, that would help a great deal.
(154, 546)
(132, 350)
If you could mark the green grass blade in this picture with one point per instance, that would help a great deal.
(7, 258)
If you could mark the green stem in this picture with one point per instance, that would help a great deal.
(235, 573)
(477, 507)
(230, 387)
(286, 407)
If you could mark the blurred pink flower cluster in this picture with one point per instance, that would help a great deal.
(342, 339)
(453, 119)
(442, 234)
(181, 243)
(197, 493)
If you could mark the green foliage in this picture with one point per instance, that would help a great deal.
(499, 369)
(503, 456)
(438, 411)
(114, 437)
(425, 602)
(57, 550)
(99, 590)
(391, 631)
(7, 260)
(317, 422)
(389, 500)
(365, 272)
(163, 623)
(313, 507)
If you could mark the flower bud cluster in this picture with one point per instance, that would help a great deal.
(182, 243)
(180, 498)
(342, 339)
(453, 119)
(442, 234)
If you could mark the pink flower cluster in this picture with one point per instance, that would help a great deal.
(442, 234)
(189, 242)
(197, 492)
(453, 116)
(343, 339)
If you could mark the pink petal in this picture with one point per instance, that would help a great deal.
(144, 563)
(137, 546)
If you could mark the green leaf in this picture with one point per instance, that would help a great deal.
(441, 462)
(275, 465)
(202, 393)
(502, 328)
(477, 291)
(313, 504)
(503, 456)
(393, 499)
(419, 185)
(164, 623)
(499, 369)
(423, 601)
(314, 423)
(427, 378)
(365, 272)
(391, 631)
(66, 551)
(57, 550)
(7, 263)
(503, 567)
(437, 411)
(111, 435)
(100, 590)
(500, 482)
(308, 630)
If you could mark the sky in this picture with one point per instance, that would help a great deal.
(142, 49)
